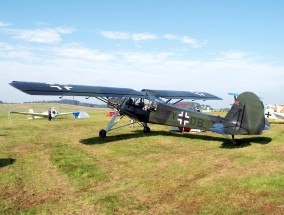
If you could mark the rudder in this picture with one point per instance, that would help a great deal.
(246, 115)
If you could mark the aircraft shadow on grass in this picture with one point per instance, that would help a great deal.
(244, 142)
(226, 143)
(6, 161)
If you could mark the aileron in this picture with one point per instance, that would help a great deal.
(172, 94)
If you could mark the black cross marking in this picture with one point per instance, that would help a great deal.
(183, 118)
(268, 114)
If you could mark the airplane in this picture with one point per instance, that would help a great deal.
(246, 116)
(52, 113)
(274, 111)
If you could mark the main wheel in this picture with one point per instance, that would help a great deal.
(102, 133)
(147, 129)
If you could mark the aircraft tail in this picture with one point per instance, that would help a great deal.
(246, 116)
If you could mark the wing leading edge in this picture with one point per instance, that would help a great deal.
(30, 114)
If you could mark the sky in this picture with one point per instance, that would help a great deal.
(214, 46)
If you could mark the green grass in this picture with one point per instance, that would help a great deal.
(63, 167)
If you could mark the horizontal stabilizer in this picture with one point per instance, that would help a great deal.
(237, 94)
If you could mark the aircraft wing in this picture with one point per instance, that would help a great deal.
(279, 115)
(35, 88)
(171, 94)
(30, 114)
(61, 114)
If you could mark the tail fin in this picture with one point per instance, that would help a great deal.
(246, 115)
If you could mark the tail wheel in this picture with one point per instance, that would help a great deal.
(102, 133)
(147, 129)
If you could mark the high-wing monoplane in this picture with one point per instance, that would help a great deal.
(157, 106)
(50, 114)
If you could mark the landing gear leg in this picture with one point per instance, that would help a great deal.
(103, 132)
(233, 140)
(146, 128)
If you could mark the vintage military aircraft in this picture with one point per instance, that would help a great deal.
(274, 111)
(52, 113)
(157, 106)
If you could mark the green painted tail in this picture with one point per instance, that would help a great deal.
(246, 115)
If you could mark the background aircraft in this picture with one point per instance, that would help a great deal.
(52, 113)
(274, 111)
(154, 106)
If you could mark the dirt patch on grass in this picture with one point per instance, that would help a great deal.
(38, 182)
(22, 199)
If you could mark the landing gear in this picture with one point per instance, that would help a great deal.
(112, 123)
(146, 129)
(102, 133)
(233, 140)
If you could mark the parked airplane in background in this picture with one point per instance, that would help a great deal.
(274, 111)
(153, 106)
(52, 113)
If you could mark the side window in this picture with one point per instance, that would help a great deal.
(151, 106)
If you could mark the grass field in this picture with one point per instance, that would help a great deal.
(63, 167)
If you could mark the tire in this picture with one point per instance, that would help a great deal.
(102, 133)
(147, 129)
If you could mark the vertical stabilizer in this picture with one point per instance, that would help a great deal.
(246, 115)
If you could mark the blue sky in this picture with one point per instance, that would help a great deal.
(212, 46)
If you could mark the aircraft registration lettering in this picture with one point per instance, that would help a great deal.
(174, 115)
(199, 121)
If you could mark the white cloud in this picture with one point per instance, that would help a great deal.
(171, 37)
(8, 51)
(164, 70)
(115, 35)
(119, 35)
(143, 36)
(44, 35)
(83, 53)
(144, 58)
(4, 24)
(190, 41)
(5, 46)
(235, 55)
(184, 39)
(234, 70)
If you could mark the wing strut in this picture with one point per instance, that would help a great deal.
(112, 123)
(177, 101)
